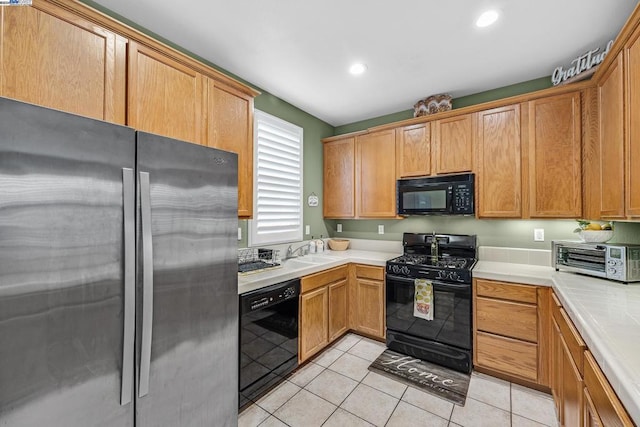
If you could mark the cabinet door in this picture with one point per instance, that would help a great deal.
(339, 178)
(604, 401)
(413, 150)
(453, 144)
(56, 59)
(555, 173)
(376, 175)
(313, 333)
(230, 127)
(556, 369)
(632, 72)
(165, 96)
(370, 307)
(610, 100)
(499, 163)
(572, 385)
(591, 417)
(338, 313)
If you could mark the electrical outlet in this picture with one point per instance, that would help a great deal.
(381, 229)
(538, 234)
(339, 228)
(307, 229)
(239, 233)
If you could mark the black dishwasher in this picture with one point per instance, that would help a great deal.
(268, 338)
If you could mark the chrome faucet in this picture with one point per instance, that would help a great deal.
(302, 249)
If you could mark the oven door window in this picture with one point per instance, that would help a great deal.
(452, 312)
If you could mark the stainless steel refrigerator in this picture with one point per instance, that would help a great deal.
(118, 275)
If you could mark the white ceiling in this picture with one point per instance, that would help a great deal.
(300, 50)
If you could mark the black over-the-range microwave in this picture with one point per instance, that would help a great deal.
(437, 195)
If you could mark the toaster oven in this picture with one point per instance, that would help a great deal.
(617, 261)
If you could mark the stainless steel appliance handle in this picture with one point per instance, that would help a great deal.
(147, 284)
(129, 303)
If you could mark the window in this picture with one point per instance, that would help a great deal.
(277, 216)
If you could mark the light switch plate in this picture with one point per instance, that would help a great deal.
(339, 228)
(239, 233)
(381, 229)
(307, 229)
(538, 234)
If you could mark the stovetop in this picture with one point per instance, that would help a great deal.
(436, 262)
(455, 260)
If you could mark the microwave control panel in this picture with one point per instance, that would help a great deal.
(463, 199)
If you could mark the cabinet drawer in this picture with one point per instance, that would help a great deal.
(313, 281)
(507, 291)
(507, 355)
(511, 319)
(369, 272)
(603, 398)
(574, 342)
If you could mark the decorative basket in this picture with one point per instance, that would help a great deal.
(338, 244)
(595, 236)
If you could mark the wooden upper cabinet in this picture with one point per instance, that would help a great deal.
(499, 163)
(376, 174)
(230, 127)
(165, 96)
(453, 144)
(53, 58)
(632, 136)
(611, 152)
(413, 150)
(339, 178)
(555, 173)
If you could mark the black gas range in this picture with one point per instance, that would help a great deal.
(438, 329)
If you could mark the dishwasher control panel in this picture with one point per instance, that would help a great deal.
(270, 295)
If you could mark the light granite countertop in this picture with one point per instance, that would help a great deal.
(309, 264)
(606, 313)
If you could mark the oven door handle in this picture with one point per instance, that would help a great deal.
(439, 284)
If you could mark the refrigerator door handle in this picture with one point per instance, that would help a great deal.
(147, 284)
(128, 205)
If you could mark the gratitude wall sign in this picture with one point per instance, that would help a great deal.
(581, 64)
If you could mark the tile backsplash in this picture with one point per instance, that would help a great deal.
(515, 255)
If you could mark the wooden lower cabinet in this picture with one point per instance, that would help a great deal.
(511, 323)
(367, 305)
(581, 393)
(314, 328)
(602, 405)
(571, 390)
(338, 309)
(323, 310)
(334, 301)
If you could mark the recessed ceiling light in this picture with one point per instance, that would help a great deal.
(487, 18)
(357, 69)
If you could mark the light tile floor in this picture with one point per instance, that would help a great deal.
(337, 390)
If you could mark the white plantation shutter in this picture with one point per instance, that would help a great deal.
(277, 216)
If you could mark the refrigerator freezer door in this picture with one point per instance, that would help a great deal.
(193, 369)
(61, 268)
